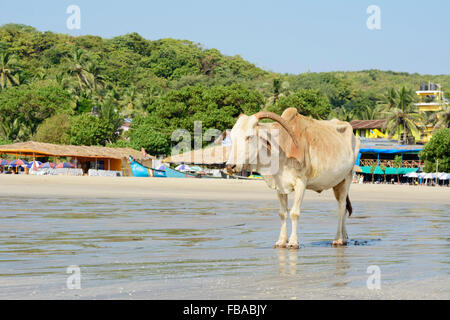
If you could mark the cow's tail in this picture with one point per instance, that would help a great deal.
(348, 206)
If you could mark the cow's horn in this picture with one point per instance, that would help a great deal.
(270, 115)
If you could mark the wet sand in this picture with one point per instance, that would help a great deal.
(214, 189)
(212, 239)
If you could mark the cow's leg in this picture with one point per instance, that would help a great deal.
(299, 191)
(341, 192)
(282, 239)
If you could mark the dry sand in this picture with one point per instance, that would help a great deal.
(211, 189)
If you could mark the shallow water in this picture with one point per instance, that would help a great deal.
(218, 249)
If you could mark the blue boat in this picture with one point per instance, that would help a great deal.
(159, 173)
(172, 173)
(140, 170)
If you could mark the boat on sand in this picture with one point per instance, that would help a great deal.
(139, 170)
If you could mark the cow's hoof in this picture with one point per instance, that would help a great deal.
(339, 242)
(280, 244)
(293, 245)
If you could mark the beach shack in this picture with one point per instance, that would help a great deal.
(381, 154)
(213, 156)
(83, 157)
(369, 128)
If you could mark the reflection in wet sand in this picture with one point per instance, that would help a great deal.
(342, 267)
(287, 259)
(142, 244)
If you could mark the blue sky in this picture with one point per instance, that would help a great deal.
(281, 36)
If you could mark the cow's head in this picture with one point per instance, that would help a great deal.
(246, 140)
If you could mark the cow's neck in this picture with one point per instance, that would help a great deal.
(284, 179)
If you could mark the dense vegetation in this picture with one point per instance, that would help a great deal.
(62, 89)
(437, 152)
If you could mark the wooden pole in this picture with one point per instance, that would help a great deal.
(437, 165)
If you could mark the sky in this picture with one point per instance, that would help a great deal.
(286, 36)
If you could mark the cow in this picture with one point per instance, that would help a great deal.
(309, 154)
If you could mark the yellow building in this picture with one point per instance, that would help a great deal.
(431, 99)
(369, 128)
(374, 129)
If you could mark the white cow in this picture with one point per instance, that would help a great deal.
(312, 154)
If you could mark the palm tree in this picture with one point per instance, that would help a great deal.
(373, 167)
(132, 103)
(21, 78)
(367, 113)
(109, 113)
(390, 98)
(440, 119)
(7, 79)
(63, 81)
(41, 74)
(383, 168)
(276, 89)
(402, 114)
(14, 129)
(279, 89)
(96, 79)
(397, 163)
(78, 68)
(342, 114)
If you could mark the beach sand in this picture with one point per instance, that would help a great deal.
(159, 238)
(211, 189)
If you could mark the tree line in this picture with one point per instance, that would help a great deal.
(62, 89)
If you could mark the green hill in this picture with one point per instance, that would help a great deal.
(162, 84)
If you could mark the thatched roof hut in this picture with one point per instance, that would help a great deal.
(215, 155)
(37, 149)
(112, 157)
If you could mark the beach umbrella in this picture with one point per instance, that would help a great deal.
(445, 176)
(183, 167)
(413, 175)
(429, 176)
(441, 174)
(18, 162)
(64, 165)
(36, 163)
(4, 162)
(421, 175)
(47, 165)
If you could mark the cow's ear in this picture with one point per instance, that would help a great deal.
(289, 114)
